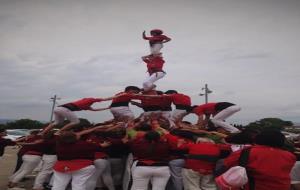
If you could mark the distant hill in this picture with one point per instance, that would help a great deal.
(4, 121)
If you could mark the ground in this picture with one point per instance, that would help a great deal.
(7, 165)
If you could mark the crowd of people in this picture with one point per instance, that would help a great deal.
(157, 150)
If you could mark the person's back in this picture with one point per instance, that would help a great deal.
(268, 165)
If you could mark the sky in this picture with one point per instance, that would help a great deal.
(247, 51)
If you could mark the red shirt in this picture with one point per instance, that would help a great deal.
(78, 150)
(150, 103)
(166, 103)
(93, 139)
(199, 165)
(175, 153)
(85, 103)
(207, 109)
(154, 64)
(150, 153)
(270, 167)
(30, 149)
(122, 100)
(74, 156)
(181, 99)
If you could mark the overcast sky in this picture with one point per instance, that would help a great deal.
(247, 51)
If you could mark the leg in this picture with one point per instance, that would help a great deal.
(19, 163)
(224, 114)
(127, 172)
(45, 173)
(117, 170)
(207, 182)
(107, 178)
(148, 84)
(140, 177)
(191, 179)
(161, 175)
(29, 163)
(178, 115)
(80, 177)
(176, 167)
(61, 180)
(71, 117)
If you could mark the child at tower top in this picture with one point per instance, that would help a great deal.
(156, 40)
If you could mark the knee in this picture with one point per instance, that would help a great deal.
(146, 85)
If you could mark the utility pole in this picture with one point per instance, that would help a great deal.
(206, 92)
(53, 99)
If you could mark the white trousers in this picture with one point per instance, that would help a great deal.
(193, 180)
(168, 116)
(178, 115)
(148, 84)
(60, 113)
(218, 119)
(30, 162)
(79, 178)
(48, 161)
(127, 171)
(103, 170)
(122, 113)
(155, 48)
(158, 175)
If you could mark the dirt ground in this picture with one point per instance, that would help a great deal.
(7, 165)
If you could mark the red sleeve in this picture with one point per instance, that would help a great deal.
(225, 147)
(146, 60)
(138, 97)
(158, 38)
(172, 140)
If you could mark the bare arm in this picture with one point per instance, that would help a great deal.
(47, 129)
(144, 36)
(167, 39)
(87, 131)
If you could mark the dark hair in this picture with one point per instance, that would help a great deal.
(49, 135)
(159, 92)
(152, 136)
(156, 31)
(191, 108)
(67, 137)
(239, 138)
(171, 92)
(270, 137)
(144, 127)
(132, 88)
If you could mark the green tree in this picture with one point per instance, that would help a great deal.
(274, 123)
(24, 124)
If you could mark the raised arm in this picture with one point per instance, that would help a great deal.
(144, 36)
(167, 39)
(87, 131)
